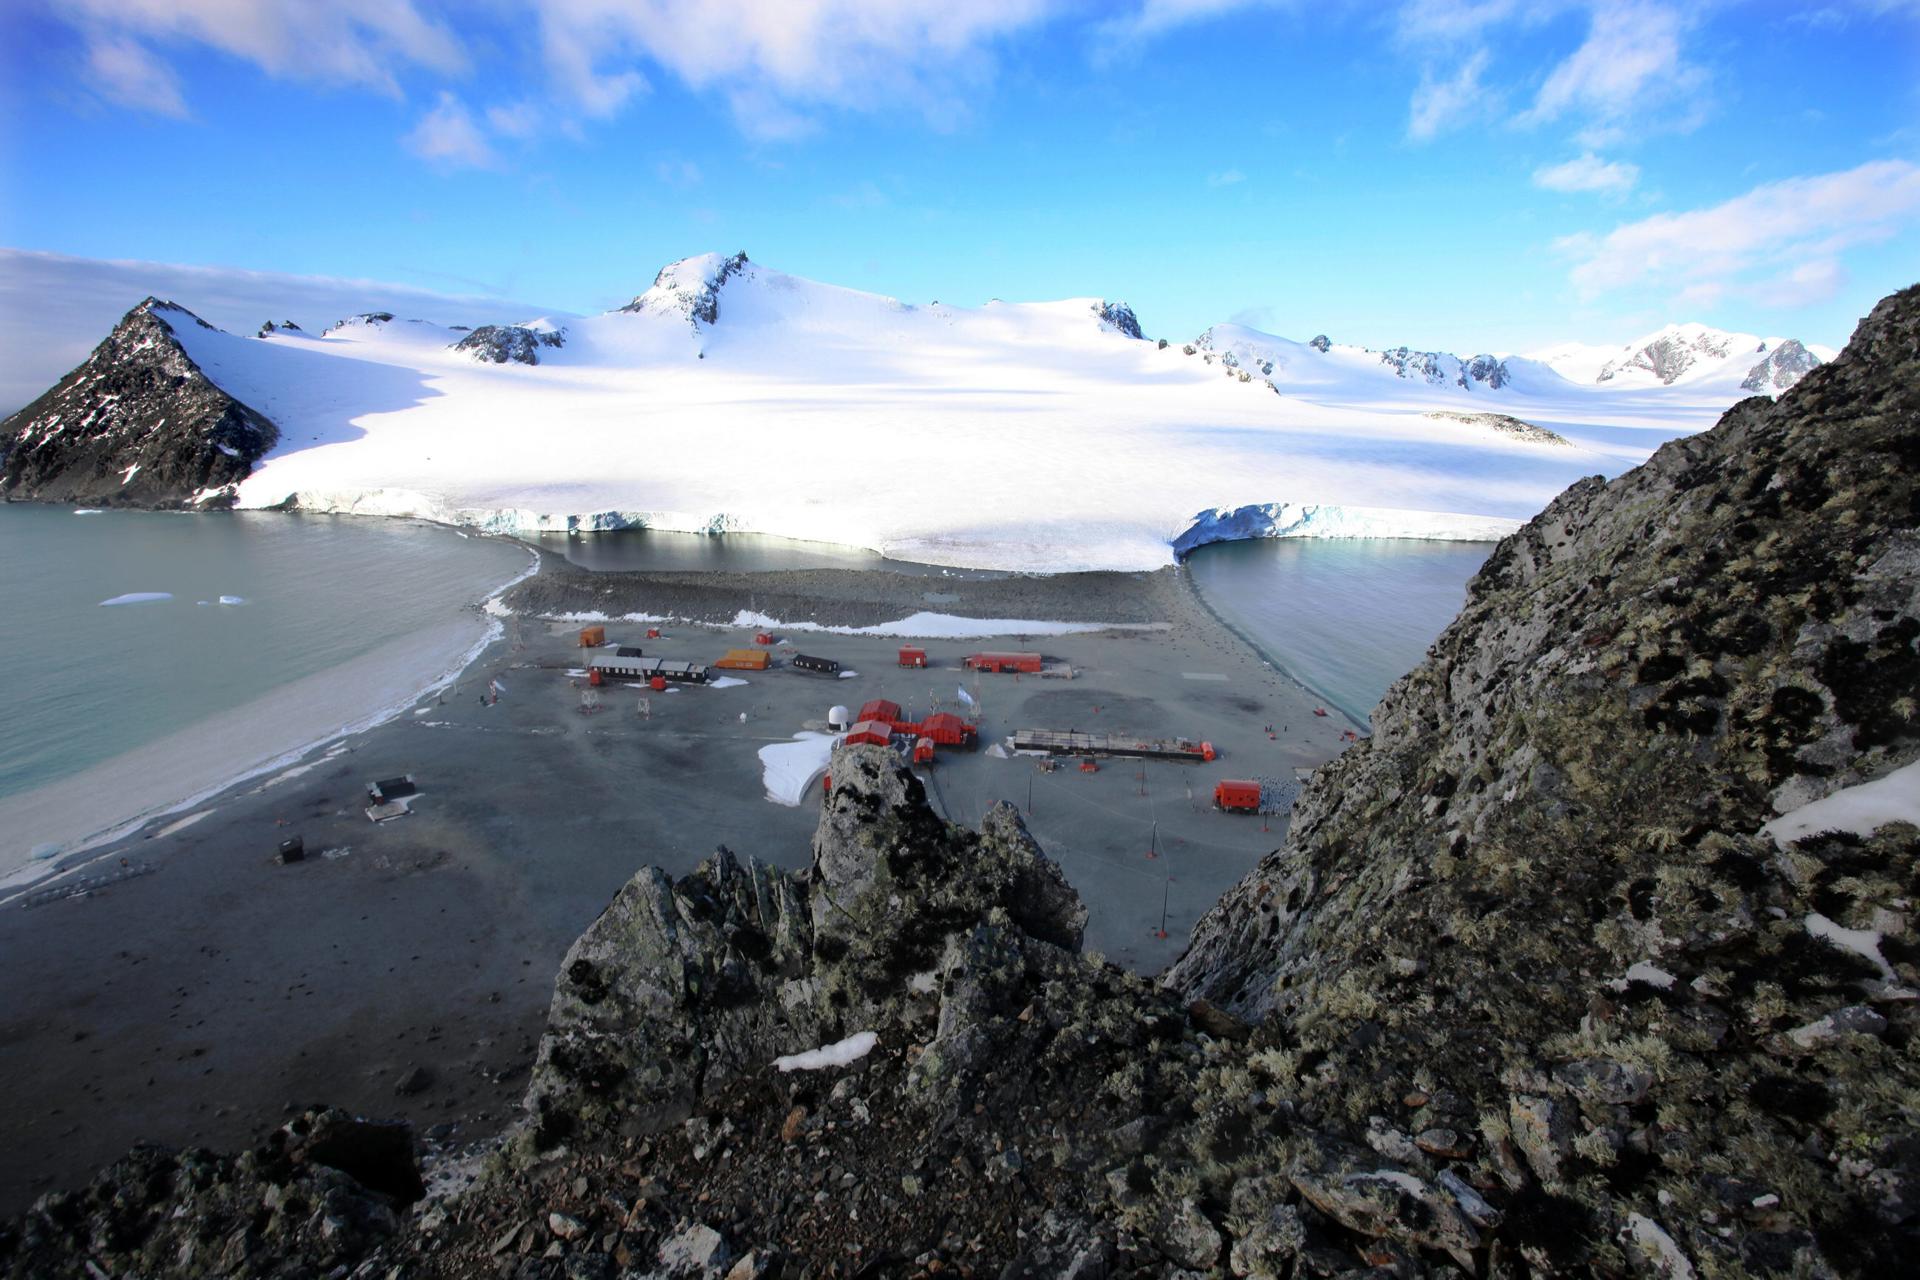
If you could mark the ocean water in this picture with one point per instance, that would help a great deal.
(85, 683)
(1344, 616)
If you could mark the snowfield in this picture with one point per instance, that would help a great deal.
(1031, 436)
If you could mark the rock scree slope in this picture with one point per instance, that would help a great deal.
(1527, 992)
(136, 424)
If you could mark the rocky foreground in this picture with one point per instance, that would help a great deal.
(1528, 992)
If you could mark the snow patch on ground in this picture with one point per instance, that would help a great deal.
(1862, 942)
(841, 1053)
(944, 626)
(725, 682)
(1861, 809)
(787, 769)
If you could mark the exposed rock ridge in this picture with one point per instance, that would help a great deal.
(1540, 891)
(690, 288)
(1120, 316)
(500, 343)
(1505, 424)
(136, 424)
(1783, 367)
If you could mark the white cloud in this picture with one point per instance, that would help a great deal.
(1804, 285)
(1781, 239)
(448, 137)
(1226, 178)
(55, 308)
(346, 41)
(775, 61)
(1440, 105)
(1153, 17)
(1630, 61)
(1589, 173)
(123, 71)
(520, 120)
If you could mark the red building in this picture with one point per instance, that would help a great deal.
(949, 730)
(1027, 662)
(912, 655)
(873, 733)
(880, 709)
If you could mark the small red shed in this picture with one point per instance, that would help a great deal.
(653, 633)
(1237, 795)
(923, 751)
(1027, 662)
(912, 655)
(873, 733)
(880, 709)
(949, 730)
(763, 637)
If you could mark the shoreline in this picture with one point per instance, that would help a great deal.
(79, 793)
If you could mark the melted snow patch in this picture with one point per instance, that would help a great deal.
(841, 1053)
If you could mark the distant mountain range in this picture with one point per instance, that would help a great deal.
(730, 396)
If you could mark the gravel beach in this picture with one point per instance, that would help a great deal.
(197, 989)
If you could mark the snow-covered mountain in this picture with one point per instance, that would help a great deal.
(728, 396)
(1688, 353)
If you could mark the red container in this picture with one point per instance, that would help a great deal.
(912, 656)
(1236, 795)
(763, 637)
(923, 751)
(1028, 662)
(658, 684)
(592, 637)
(653, 633)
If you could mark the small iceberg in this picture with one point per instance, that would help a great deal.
(138, 597)
(87, 511)
(233, 599)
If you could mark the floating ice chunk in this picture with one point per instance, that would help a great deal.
(233, 599)
(86, 511)
(839, 1054)
(139, 597)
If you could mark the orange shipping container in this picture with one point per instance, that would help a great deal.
(592, 637)
(745, 660)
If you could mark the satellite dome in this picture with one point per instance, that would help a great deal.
(839, 718)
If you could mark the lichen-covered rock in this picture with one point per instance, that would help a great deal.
(1561, 809)
(137, 424)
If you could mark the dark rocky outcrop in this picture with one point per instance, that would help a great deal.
(499, 343)
(137, 424)
(270, 327)
(325, 1191)
(1505, 424)
(1528, 992)
(1120, 316)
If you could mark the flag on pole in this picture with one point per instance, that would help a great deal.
(967, 697)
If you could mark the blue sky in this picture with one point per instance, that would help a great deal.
(1480, 174)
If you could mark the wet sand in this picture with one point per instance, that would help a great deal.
(194, 1003)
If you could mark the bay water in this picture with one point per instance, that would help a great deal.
(1346, 617)
(255, 603)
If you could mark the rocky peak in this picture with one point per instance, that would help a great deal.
(1120, 316)
(1438, 368)
(138, 423)
(1321, 343)
(499, 343)
(270, 328)
(1672, 352)
(690, 288)
(1783, 367)
(365, 320)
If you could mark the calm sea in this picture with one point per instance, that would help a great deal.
(85, 683)
(1344, 616)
